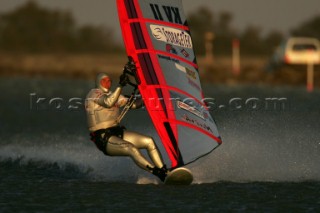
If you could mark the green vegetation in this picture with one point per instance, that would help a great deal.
(310, 28)
(253, 43)
(33, 29)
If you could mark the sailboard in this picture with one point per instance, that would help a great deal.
(179, 176)
(157, 37)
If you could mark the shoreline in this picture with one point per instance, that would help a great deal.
(87, 66)
(84, 66)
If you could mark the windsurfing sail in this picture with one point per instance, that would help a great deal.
(157, 37)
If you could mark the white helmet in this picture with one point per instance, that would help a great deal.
(103, 82)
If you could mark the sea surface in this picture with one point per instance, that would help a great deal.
(269, 160)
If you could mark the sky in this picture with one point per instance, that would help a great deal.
(281, 15)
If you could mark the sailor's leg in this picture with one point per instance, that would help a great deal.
(118, 147)
(144, 142)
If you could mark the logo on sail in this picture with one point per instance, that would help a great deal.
(171, 36)
(191, 109)
(197, 123)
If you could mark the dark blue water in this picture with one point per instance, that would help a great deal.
(269, 161)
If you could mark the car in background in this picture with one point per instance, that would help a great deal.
(296, 51)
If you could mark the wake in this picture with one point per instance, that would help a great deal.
(261, 156)
(67, 157)
(245, 156)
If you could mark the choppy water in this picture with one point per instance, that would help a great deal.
(269, 161)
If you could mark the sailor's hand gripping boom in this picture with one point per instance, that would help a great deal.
(131, 70)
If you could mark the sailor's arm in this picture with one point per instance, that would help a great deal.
(109, 101)
(123, 101)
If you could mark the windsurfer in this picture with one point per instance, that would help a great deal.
(103, 111)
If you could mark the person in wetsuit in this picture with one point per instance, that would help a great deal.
(103, 110)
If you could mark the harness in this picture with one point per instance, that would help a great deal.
(102, 136)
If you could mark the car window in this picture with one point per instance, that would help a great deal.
(304, 47)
